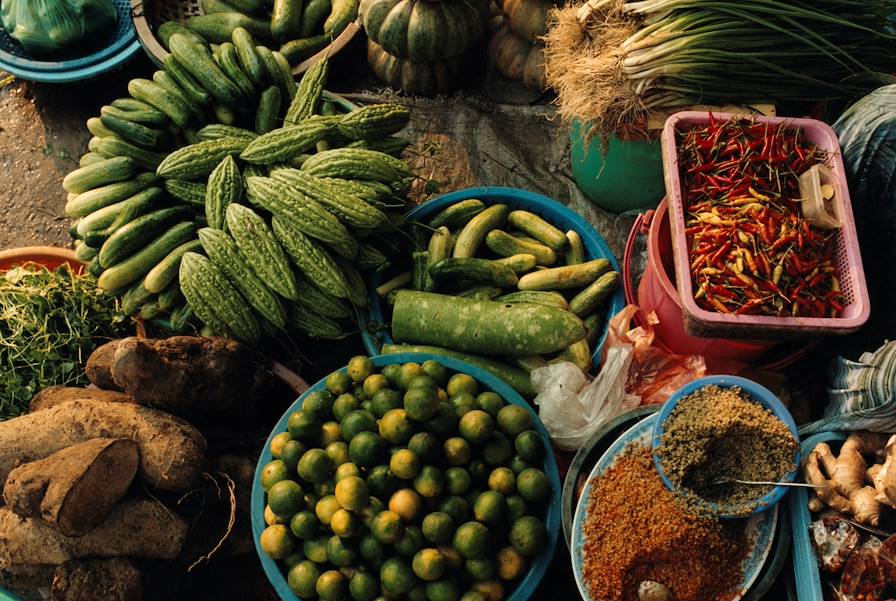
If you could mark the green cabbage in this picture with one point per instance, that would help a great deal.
(44, 26)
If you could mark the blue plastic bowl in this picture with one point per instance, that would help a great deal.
(758, 394)
(101, 56)
(526, 587)
(550, 210)
(7, 596)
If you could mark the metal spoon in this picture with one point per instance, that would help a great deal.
(758, 483)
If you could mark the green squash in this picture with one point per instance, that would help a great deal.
(423, 30)
(417, 78)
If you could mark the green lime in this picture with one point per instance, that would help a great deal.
(392, 373)
(345, 404)
(330, 432)
(315, 549)
(429, 482)
(331, 586)
(382, 482)
(386, 527)
(443, 590)
(325, 508)
(479, 472)
(476, 426)
(404, 464)
(472, 596)
(286, 498)
(422, 381)
(436, 371)
(533, 485)
(529, 446)
(418, 593)
(315, 466)
(373, 384)
(386, 400)
(444, 423)
(271, 518)
(340, 553)
(457, 480)
(410, 541)
(356, 422)
(367, 406)
(528, 535)
(462, 404)
(409, 371)
(368, 449)
(457, 507)
(272, 473)
(363, 586)
(374, 506)
(498, 450)
(503, 480)
(480, 569)
(345, 524)
(457, 451)
(395, 427)
(518, 464)
(406, 503)
(511, 564)
(345, 470)
(337, 452)
(302, 579)
(396, 576)
(338, 383)
(371, 549)
(461, 383)
(291, 452)
(303, 426)
(452, 557)
(490, 402)
(437, 527)
(472, 540)
(319, 403)
(352, 493)
(277, 541)
(491, 590)
(359, 368)
(513, 420)
(490, 508)
(516, 508)
(293, 558)
(327, 487)
(421, 404)
(426, 446)
(428, 564)
(304, 525)
(277, 444)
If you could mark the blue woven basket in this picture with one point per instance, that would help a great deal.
(84, 61)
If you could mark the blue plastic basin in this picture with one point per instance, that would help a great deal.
(539, 565)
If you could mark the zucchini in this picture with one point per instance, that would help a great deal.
(245, 48)
(93, 200)
(198, 61)
(113, 146)
(216, 131)
(489, 327)
(538, 228)
(539, 297)
(503, 244)
(286, 20)
(96, 128)
(139, 264)
(136, 134)
(186, 82)
(191, 193)
(217, 28)
(160, 98)
(314, 261)
(521, 263)
(474, 232)
(480, 293)
(439, 248)
(164, 274)
(562, 278)
(136, 234)
(262, 250)
(99, 174)
(575, 252)
(268, 110)
(144, 116)
(225, 186)
(469, 269)
(589, 299)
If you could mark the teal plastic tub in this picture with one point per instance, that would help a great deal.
(524, 589)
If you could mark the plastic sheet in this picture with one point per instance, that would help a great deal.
(45, 26)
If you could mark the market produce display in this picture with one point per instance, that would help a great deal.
(515, 45)
(408, 481)
(48, 26)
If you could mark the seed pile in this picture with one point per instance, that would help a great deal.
(637, 530)
(718, 434)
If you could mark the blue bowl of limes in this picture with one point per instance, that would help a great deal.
(410, 475)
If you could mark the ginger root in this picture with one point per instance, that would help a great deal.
(884, 476)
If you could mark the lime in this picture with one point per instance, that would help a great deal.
(462, 403)
(311, 498)
(461, 383)
(436, 371)
(404, 464)
(358, 393)
(457, 480)
(359, 368)
(338, 383)
(480, 569)
(442, 590)
(452, 557)
(422, 381)
(490, 402)
(381, 482)
(528, 535)
(356, 422)
(471, 540)
(373, 384)
(518, 464)
(345, 470)
(331, 586)
(491, 590)
(345, 404)
(303, 426)
(428, 564)
(363, 586)
(410, 542)
(437, 527)
(371, 549)
(315, 549)
(304, 525)
(352, 493)
(476, 426)
(291, 452)
(516, 508)
(457, 451)
(302, 579)
(392, 373)
(511, 564)
(443, 396)
(457, 507)
(444, 423)
(272, 473)
(418, 593)
(409, 371)
(498, 450)
(503, 480)
(367, 406)
(395, 427)
(374, 506)
(533, 485)
(325, 508)
(368, 449)
(286, 498)
(319, 403)
(277, 541)
(513, 420)
(426, 446)
(330, 432)
(490, 508)
(421, 404)
(337, 452)
(293, 558)
(386, 527)
(315, 466)
(327, 487)
(529, 446)
(340, 553)
(479, 472)
(406, 503)
(271, 518)
(385, 400)
(396, 576)
(472, 596)
(345, 524)
(277, 444)
(429, 482)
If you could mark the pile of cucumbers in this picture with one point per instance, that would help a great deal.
(206, 215)
(299, 29)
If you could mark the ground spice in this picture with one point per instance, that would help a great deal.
(718, 434)
(636, 530)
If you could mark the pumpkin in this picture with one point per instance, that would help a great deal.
(423, 30)
(417, 78)
(528, 18)
(518, 59)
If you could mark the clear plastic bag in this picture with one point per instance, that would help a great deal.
(45, 26)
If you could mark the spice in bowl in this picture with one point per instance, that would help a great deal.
(715, 436)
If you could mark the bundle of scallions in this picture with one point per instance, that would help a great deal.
(50, 321)
(613, 61)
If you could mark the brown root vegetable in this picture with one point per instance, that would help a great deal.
(191, 375)
(75, 488)
(99, 366)
(116, 579)
(136, 527)
(172, 452)
(54, 395)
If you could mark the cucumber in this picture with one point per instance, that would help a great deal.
(275, 72)
(166, 81)
(468, 269)
(539, 297)
(153, 94)
(113, 146)
(229, 61)
(439, 249)
(171, 297)
(139, 135)
(169, 28)
(286, 20)
(268, 110)
(342, 13)
(521, 263)
(538, 228)
(488, 327)
(299, 50)
(218, 28)
(503, 244)
(314, 13)
(138, 265)
(144, 116)
(481, 293)
(249, 59)
(286, 82)
(136, 234)
(420, 268)
(186, 82)
(471, 236)
(198, 61)
(589, 299)
(96, 128)
(90, 158)
(575, 252)
(99, 174)
(563, 278)
(165, 271)
(593, 329)
(85, 253)
(211, 7)
(108, 219)
(93, 200)
(576, 353)
(531, 362)
(136, 296)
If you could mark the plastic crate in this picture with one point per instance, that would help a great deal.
(848, 260)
